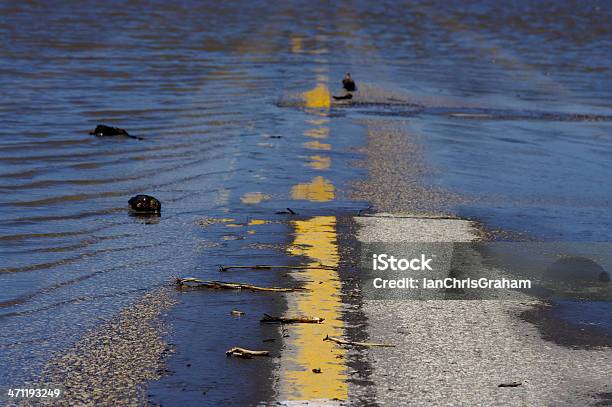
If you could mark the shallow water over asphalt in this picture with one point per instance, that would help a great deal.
(496, 94)
(233, 103)
(218, 152)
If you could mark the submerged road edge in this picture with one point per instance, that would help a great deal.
(112, 364)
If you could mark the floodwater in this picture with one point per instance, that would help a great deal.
(511, 103)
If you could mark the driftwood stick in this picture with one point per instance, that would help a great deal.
(195, 283)
(256, 267)
(368, 344)
(245, 353)
(269, 319)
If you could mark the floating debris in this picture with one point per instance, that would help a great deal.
(289, 211)
(368, 344)
(145, 204)
(102, 130)
(237, 313)
(269, 319)
(511, 384)
(361, 212)
(316, 370)
(245, 353)
(348, 96)
(195, 283)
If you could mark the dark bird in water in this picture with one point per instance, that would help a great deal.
(106, 131)
(145, 204)
(348, 83)
(344, 97)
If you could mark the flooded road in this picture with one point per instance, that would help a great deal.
(218, 152)
(234, 103)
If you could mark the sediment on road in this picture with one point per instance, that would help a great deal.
(111, 364)
(396, 169)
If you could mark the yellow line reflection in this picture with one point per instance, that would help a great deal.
(319, 162)
(316, 239)
(318, 97)
(296, 45)
(317, 145)
(318, 122)
(254, 222)
(317, 190)
(318, 132)
(319, 51)
(254, 198)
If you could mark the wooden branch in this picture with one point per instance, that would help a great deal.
(511, 384)
(256, 267)
(368, 344)
(269, 319)
(195, 283)
(245, 353)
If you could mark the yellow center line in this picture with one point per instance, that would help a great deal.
(254, 222)
(316, 240)
(319, 162)
(318, 98)
(318, 132)
(296, 45)
(317, 145)
(318, 121)
(318, 189)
